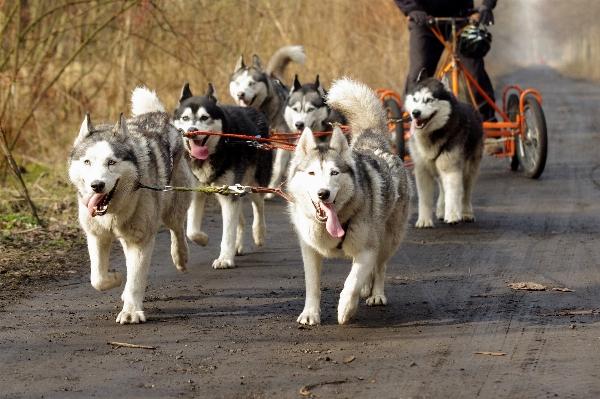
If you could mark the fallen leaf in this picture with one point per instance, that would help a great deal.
(527, 286)
(349, 359)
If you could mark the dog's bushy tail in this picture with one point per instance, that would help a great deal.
(143, 100)
(360, 105)
(282, 58)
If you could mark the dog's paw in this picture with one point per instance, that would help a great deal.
(468, 217)
(113, 279)
(347, 308)
(365, 291)
(376, 300)
(131, 317)
(239, 251)
(223, 264)
(424, 223)
(309, 317)
(198, 238)
(452, 220)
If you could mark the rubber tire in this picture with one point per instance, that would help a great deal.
(532, 157)
(393, 111)
(512, 110)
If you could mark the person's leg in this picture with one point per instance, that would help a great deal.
(424, 52)
(476, 67)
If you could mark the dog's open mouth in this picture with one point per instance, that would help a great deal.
(326, 213)
(97, 204)
(198, 148)
(246, 103)
(421, 123)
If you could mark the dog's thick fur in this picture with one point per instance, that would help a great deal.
(351, 201)
(446, 145)
(106, 164)
(217, 160)
(306, 107)
(263, 89)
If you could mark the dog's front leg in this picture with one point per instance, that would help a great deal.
(194, 219)
(101, 278)
(424, 181)
(259, 227)
(313, 263)
(282, 158)
(362, 268)
(230, 208)
(137, 258)
(453, 193)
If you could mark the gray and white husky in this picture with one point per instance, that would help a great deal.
(351, 201)
(217, 160)
(306, 107)
(262, 88)
(446, 145)
(107, 164)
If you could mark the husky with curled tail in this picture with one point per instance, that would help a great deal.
(351, 200)
(108, 164)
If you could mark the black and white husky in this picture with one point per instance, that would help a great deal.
(446, 144)
(306, 107)
(217, 160)
(107, 164)
(262, 88)
(351, 201)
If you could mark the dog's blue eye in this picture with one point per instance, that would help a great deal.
(87, 162)
(111, 163)
(334, 173)
(310, 110)
(251, 84)
(429, 100)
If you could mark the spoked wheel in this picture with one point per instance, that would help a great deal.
(394, 114)
(533, 149)
(512, 110)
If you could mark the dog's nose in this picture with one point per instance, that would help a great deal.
(240, 95)
(300, 125)
(97, 186)
(416, 113)
(192, 129)
(323, 194)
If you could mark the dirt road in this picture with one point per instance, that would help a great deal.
(233, 333)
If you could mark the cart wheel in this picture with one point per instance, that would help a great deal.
(533, 150)
(394, 114)
(512, 110)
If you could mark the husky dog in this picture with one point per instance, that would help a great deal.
(107, 164)
(306, 107)
(350, 201)
(262, 88)
(446, 144)
(217, 160)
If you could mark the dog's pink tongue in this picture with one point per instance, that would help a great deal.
(333, 224)
(90, 201)
(198, 151)
(413, 126)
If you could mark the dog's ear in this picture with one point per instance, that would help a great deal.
(185, 93)
(120, 129)
(445, 82)
(338, 141)
(422, 75)
(297, 84)
(210, 93)
(320, 88)
(306, 143)
(86, 128)
(257, 64)
(239, 64)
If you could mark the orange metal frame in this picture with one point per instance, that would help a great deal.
(452, 64)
